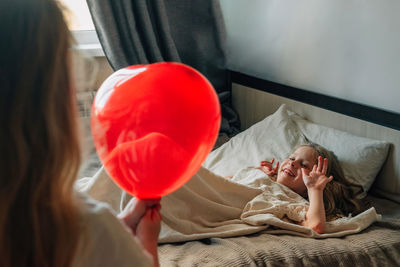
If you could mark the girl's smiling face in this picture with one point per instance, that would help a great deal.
(290, 174)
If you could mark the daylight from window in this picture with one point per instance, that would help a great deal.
(77, 15)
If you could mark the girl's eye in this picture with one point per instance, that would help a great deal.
(291, 159)
(304, 166)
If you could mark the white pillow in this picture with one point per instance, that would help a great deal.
(361, 158)
(273, 137)
(278, 134)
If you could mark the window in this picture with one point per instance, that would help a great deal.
(80, 23)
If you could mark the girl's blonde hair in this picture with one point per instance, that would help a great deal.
(339, 196)
(39, 142)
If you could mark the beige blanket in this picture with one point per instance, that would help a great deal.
(213, 206)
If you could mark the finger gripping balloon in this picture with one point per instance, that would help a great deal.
(154, 125)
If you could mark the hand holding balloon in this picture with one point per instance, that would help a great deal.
(136, 209)
(153, 126)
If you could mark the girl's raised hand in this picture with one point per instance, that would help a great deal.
(317, 178)
(268, 167)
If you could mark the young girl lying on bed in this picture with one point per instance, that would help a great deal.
(306, 172)
(269, 198)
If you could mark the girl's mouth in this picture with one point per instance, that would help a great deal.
(288, 172)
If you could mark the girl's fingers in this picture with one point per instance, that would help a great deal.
(325, 181)
(325, 166)
(277, 166)
(267, 163)
(320, 164)
(314, 169)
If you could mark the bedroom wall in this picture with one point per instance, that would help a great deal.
(344, 48)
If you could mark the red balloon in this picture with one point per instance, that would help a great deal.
(154, 125)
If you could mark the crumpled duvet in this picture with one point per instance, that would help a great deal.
(210, 205)
(213, 206)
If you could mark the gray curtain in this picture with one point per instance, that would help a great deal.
(146, 31)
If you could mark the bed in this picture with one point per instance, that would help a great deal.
(370, 154)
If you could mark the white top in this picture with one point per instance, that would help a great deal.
(108, 241)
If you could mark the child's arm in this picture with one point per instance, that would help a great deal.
(315, 182)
